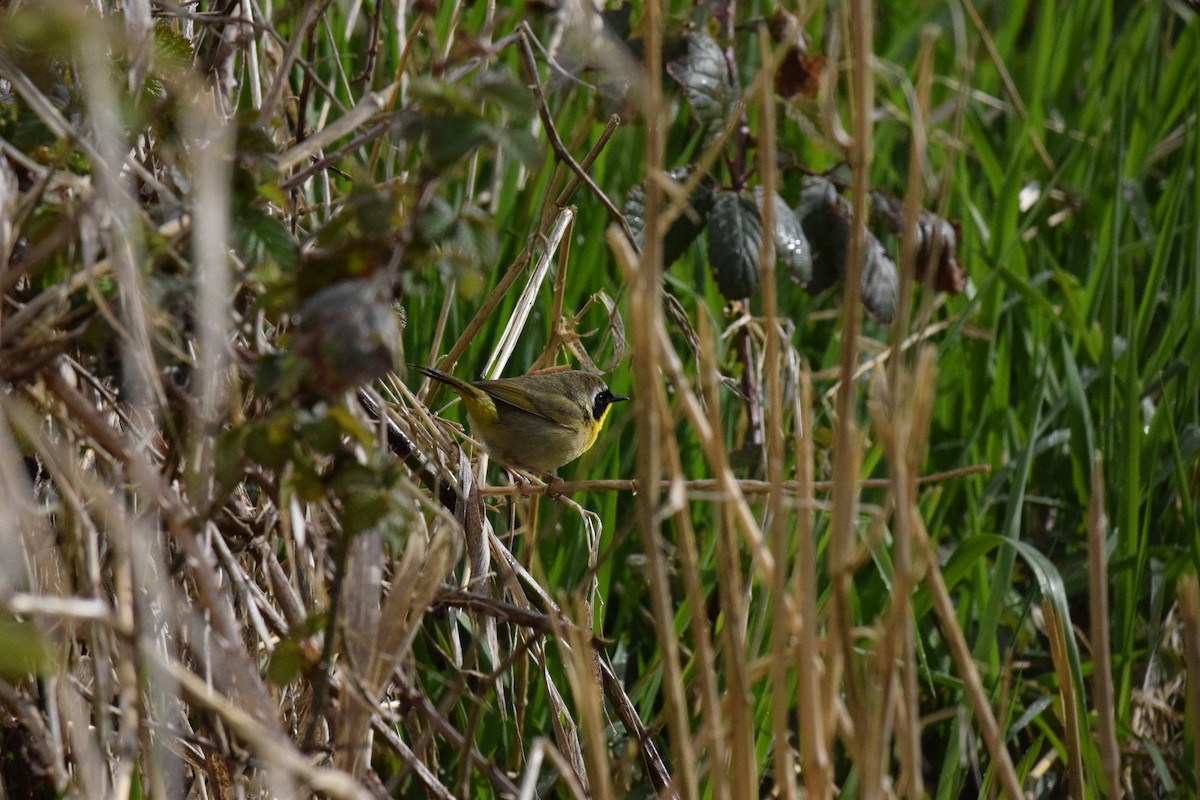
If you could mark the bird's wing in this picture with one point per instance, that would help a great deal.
(557, 410)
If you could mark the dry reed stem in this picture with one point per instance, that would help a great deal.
(580, 662)
(816, 718)
(704, 658)
(732, 596)
(908, 417)
(515, 327)
(776, 528)
(859, 16)
(645, 277)
(376, 651)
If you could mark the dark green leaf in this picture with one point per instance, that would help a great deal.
(791, 245)
(686, 228)
(262, 237)
(734, 239)
(451, 138)
(879, 281)
(269, 442)
(705, 80)
(824, 218)
(519, 143)
(503, 89)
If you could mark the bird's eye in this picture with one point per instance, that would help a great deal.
(600, 402)
(602, 399)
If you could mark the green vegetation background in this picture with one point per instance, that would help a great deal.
(1064, 142)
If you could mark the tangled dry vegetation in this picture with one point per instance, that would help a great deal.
(241, 557)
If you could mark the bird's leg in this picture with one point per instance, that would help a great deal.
(550, 478)
(553, 486)
(519, 480)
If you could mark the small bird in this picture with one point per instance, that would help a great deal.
(534, 422)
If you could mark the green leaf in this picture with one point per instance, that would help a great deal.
(734, 239)
(171, 49)
(502, 88)
(879, 281)
(686, 228)
(791, 245)
(705, 79)
(518, 143)
(264, 238)
(287, 662)
(228, 458)
(24, 651)
(824, 218)
(363, 510)
(451, 138)
(270, 442)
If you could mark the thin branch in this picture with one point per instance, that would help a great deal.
(267, 744)
(560, 149)
(714, 485)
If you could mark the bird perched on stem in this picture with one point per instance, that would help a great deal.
(534, 422)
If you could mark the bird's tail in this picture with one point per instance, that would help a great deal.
(454, 383)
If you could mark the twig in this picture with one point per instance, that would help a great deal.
(542, 624)
(713, 484)
(267, 744)
(421, 704)
(560, 149)
(616, 695)
(564, 196)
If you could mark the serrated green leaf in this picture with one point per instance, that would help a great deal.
(261, 237)
(686, 228)
(519, 143)
(171, 49)
(791, 245)
(823, 217)
(734, 240)
(503, 89)
(451, 138)
(705, 80)
(879, 281)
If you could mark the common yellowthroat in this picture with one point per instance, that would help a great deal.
(538, 422)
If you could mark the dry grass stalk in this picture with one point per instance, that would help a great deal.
(965, 664)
